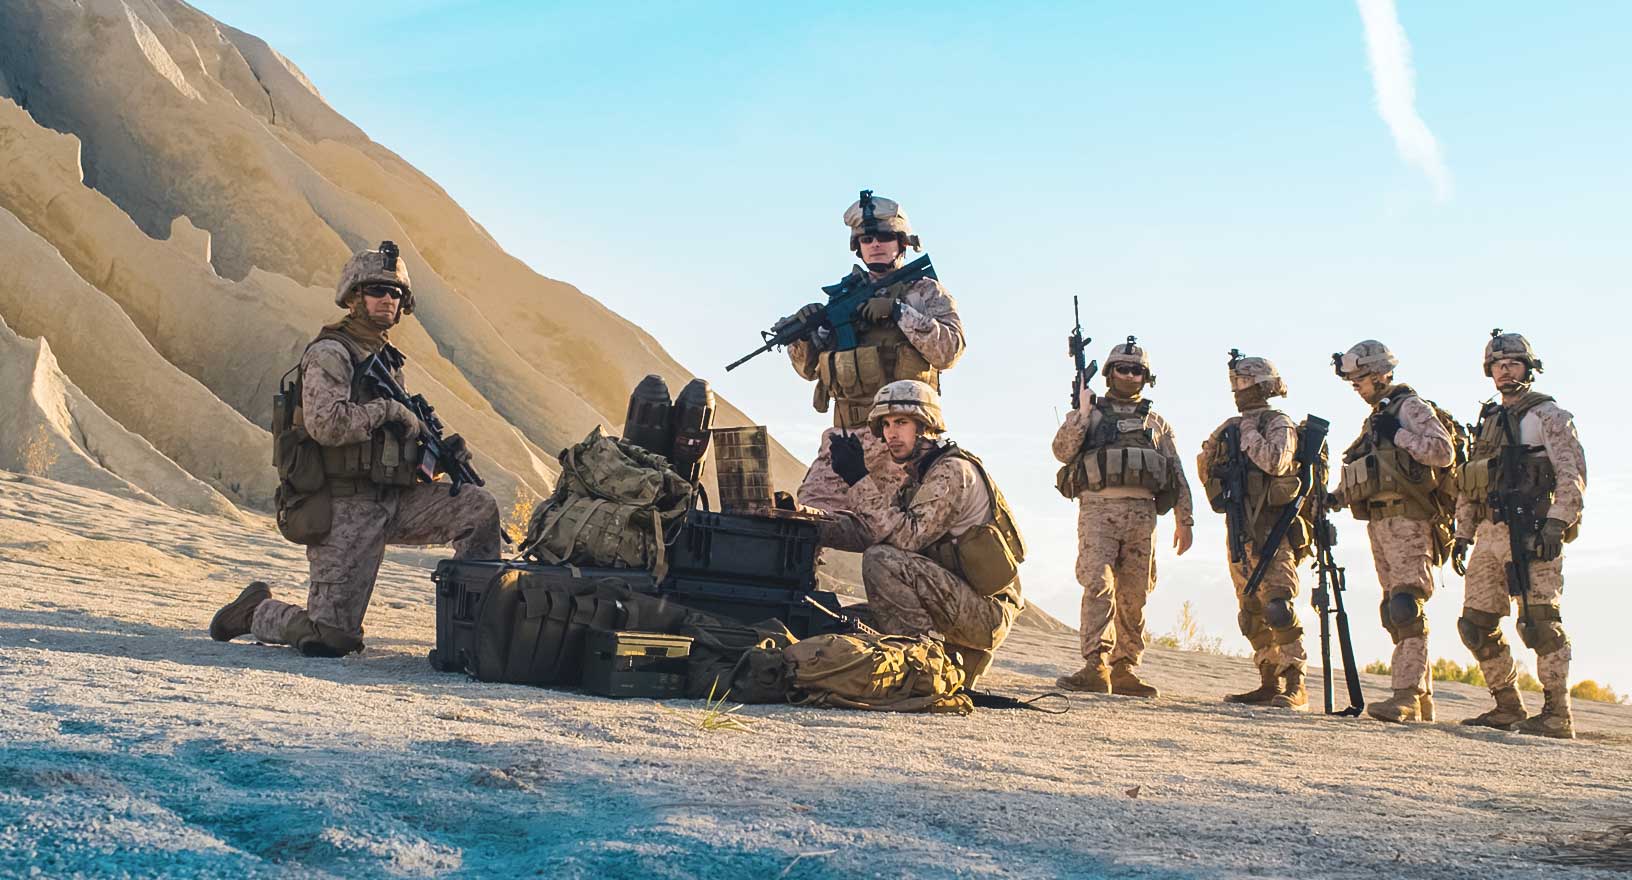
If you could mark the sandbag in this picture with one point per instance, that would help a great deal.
(884, 673)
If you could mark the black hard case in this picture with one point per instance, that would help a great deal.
(635, 664)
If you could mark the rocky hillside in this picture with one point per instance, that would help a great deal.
(176, 199)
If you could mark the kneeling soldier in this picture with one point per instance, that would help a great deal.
(1123, 468)
(1392, 476)
(1527, 465)
(941, 555)
(365, 447)
(1268, 464)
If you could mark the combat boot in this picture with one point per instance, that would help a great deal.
(1554, 720)
(1404, 706)
(1126, 683)
(233, 619)
(1508, 712)
(1293, 696)
(1092, 678)
(1265, 692)
(973, 661)
(1425, 707)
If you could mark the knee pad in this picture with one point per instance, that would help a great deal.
(1252, 626)
(319, 640)
(1545, 633)
(1404, 616)
(1279, 613)
(1481, 631)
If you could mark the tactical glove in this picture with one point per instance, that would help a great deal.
(1550, 540)
(454, 448)
(849, 460)
(1385, 426)
(397, 413)
(878, 309)
(1459, 556)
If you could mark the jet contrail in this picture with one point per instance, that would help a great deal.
(1389, 54)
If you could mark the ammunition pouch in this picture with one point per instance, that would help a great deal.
(981, 556)
(1544, 633)
(1391, 478)
(1093, 470)
(852, 377)
(305, 509)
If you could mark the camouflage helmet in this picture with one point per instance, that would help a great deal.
(1248, 372)
(870, 215)
(1129, 352)
(1510, 345)
(1368, 357)
(908, 397)
(383, 265)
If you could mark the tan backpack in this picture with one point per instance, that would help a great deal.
(616, 505)
(885, 673)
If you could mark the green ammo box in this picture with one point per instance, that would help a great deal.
(635, 664)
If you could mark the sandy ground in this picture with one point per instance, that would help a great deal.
(132, 745)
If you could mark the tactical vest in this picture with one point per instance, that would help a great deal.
(1380, 479)
(987, 556)
(1536, 480)
(883, 354)
(381, 462)
(1121, 451)
(1266, 494)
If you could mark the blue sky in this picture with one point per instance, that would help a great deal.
(1206, 177)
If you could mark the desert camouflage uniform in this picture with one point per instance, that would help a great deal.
(1485, 589)
(1116, 525)
(929, 320)
(908, 593)
(1273, 451)
(343, 567)
(1402, 548)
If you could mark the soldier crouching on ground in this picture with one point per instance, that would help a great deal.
(1267, 449)
(1123, 469)
(940, 555)
(1527, 471)
(912, 332)
(365, 448)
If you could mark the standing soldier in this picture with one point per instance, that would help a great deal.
(1394, 479)
(1267, 470)
(940, 555)
(1123, 467)
(1527, 472)
(361, 451)
(912, 332)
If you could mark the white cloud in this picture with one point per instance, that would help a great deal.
(1389, 54)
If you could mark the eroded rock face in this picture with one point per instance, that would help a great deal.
(176, 200)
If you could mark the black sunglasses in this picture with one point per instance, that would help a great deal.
(871, 237)
(1128, 369)
(379, 290)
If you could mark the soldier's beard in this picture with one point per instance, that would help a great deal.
(1512, 387)
(917, 448)
(1251, 398)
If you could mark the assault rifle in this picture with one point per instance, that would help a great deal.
(1507, 505)
(839, 316)
(1234, 498)
(1079, 353)
(1311, 440)
(1329, 593)
(435, 457)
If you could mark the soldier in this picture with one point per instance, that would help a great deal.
(1526, 461)
(1124, 470)
(365, 447)
(1268, 442)
(1391, 480)
(941, 554)
(913, 332)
